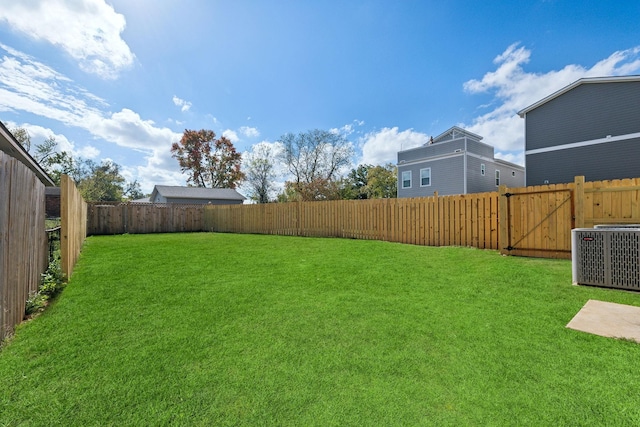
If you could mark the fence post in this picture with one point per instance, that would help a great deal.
(578, 194)
(503, 220)
(436, 219)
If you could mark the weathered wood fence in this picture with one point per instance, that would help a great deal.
(139, 218)
(23, 239)
(73, 232)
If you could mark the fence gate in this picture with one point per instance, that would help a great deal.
(539, 221)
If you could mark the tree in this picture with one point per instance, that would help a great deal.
(133, 191)
(55, 163)
(22, 136)
(315, 160)
(260, 173)
(210, 162)
(371, 182)
(103, 183)
(382, 182)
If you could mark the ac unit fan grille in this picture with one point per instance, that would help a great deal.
(592, 250)
(625, 256)
(607, 257)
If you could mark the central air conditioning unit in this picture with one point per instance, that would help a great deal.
(607, 255)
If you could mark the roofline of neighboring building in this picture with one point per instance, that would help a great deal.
(212, 198)
(459, 129)
(443, 142)
(24, 157)
(584, 80)
(510, 164)
(155, 190)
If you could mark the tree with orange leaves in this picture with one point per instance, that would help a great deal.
(210, 162)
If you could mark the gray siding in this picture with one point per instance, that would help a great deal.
(425, 151)
(479, 148)
(589, 111)
(612, 160)
(510, 176)
(446, 177)
(476, 183)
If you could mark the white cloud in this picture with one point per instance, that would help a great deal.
(39, 134)
(88, 30)
(514, 89)
(231, 135)
(184, 105)
(30, 86)
(381, 147)
(249, 132)
(347, 129)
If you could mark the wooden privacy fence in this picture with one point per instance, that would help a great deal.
(23, 239)
(537, 221)
(73, 229)
(527, 221)
(139, 218)
(465, 220)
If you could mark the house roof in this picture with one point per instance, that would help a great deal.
(456, 130)
(172, 192)
(10, 145)
(586, 80)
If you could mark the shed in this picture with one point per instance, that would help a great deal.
(195, 195)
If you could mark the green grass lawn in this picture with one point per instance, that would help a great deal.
(222, 329)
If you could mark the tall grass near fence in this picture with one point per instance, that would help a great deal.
(23, 239)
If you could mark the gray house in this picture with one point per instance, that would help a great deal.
(195, 195)
(590, 128)
(455, 162)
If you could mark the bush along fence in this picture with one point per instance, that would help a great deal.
(23, 240)
(528, 221)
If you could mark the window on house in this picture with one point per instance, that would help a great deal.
(406, 179)
(497, 178)
(513, 173)
(482, 169)
(425, 177)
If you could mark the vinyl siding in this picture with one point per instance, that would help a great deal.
(476, 183)
(425, 151)
(613, 160)
(589, 111)
(446, 177)
(479, 148)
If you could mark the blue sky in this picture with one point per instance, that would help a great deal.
(122, 79)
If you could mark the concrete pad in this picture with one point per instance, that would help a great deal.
(608, 319)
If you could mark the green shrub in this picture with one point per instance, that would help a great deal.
(35, 303)
(52, 284)
(52, 280)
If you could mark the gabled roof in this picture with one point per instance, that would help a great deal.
(586, 80)
(10, 145)
(456, 132)
(174, 192)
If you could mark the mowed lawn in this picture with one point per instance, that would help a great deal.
(223, 329)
